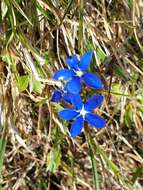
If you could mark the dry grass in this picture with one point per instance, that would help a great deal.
(35, 149)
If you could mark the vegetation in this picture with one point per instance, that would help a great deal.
(36, 151)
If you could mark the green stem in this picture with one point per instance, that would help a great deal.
(93, 161)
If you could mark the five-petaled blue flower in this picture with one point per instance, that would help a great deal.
(83, 112)
(77, 72)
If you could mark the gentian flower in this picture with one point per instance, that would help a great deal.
(83, 112)
(56, 96)
(77, 72)
(60, 94)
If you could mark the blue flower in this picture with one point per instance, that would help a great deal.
(56, 96)
(83, 112)
(77, 72)
(60, 94)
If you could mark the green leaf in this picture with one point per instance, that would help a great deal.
(136, 174)
(130, 3)
(128, 117)
(114, 168)
(109, 162)
(23, 82)
(57, 106)
(37, 86)
(41, 186)
(100, 54)
(53, 159)
(89, 44)
(116, 89)
(46, 58)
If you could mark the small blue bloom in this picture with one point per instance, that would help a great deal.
(83, 112)
(60, 94)
(56, 96)
(77, 72)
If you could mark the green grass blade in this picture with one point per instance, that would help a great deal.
(110, 164)
(67, 10)
(94, 165)
(21, 11)
(53, 159)
(2, 152)
(130, 3)
(94, 169)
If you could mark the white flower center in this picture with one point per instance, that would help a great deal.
(61, 78)
(79, 73)
(59, 84)
(83, 112)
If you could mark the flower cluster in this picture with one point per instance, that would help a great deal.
(72, 79)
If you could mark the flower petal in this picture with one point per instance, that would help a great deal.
(63, 74)
(67, 114)
(74, 85)
(57, 95)
(85, 61)
(67, 98)
(76, 101)
(72, 61)
(93, 81)
(93, 102)
(76, 127)
(95, 120)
